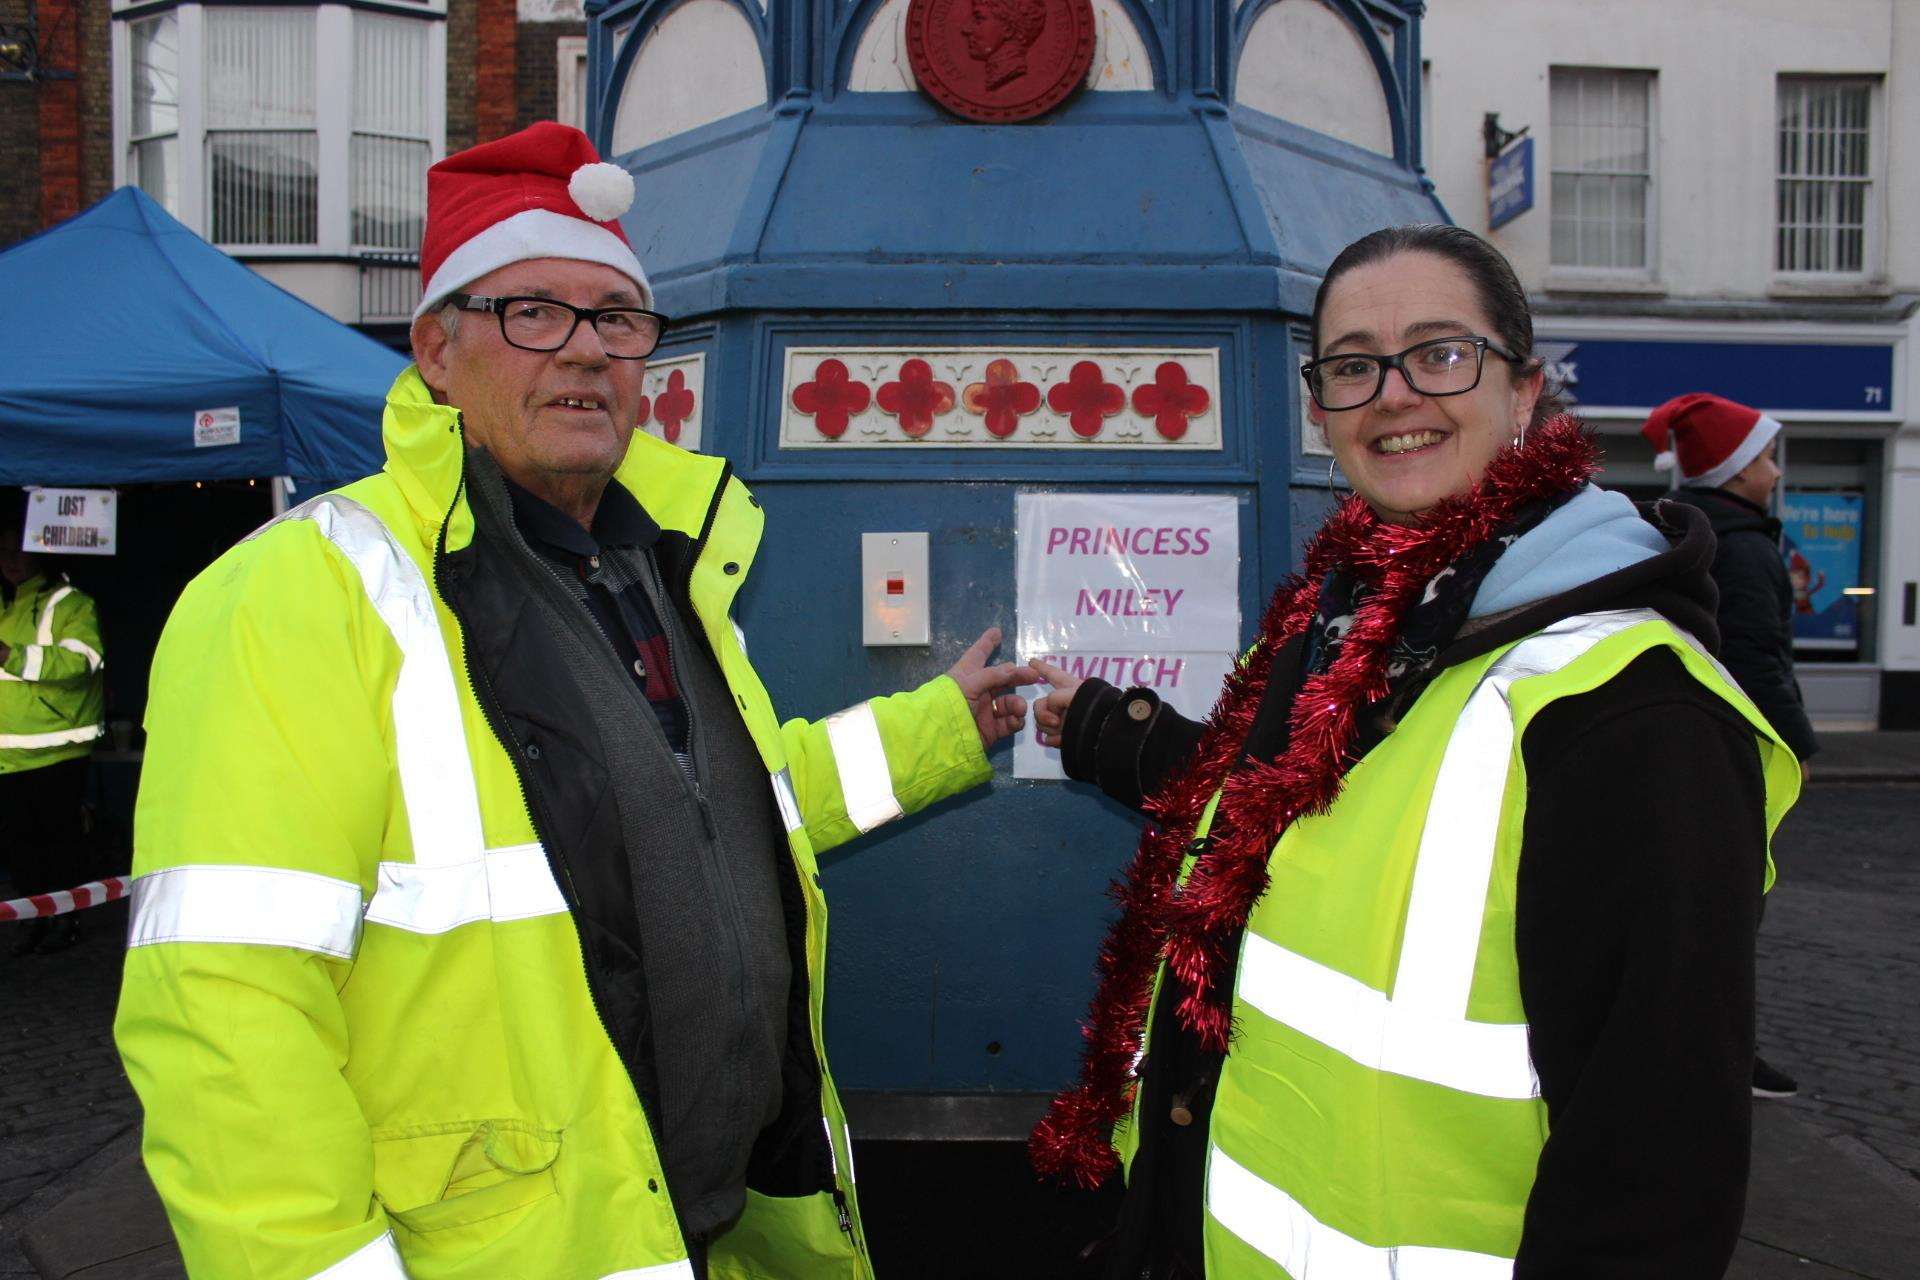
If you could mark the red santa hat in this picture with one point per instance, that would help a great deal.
(1712, 438)
(540, 193)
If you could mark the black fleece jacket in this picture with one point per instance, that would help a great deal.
(1640, 872)
(1756, 610)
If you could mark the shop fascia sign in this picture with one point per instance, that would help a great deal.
(1630, 375)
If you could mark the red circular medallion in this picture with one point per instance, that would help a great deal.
(998, 61)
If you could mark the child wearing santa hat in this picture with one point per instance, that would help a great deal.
(1724, 453)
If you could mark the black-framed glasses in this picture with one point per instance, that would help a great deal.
(1439, 367)
(547, 324)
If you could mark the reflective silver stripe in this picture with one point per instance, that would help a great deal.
(1348, 1016)
(30, 669)
(511, 883)
(681, 1270)
(1457, 843)
(53, 738)
(1278, 1226)
(1422, 1030)
(45, 635)
(379, 1260)
(788, 803)
(826, 1127)
(430, 744)
(85, 650)
(270, 906)
(866, 786)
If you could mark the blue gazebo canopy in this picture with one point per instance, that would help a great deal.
(124, 328)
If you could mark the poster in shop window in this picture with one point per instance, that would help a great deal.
(1135, 589)
(1821, 543)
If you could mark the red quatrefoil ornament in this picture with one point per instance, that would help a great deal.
(1002, 399)
(916, 399)
(674, 406)
(832, 398)
(1170, 400)
(1087, 398)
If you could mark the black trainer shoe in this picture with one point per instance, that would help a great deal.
(1771, 1082)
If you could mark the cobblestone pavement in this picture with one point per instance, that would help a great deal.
(62, 1093)
(1839, 969)
(1840, 964)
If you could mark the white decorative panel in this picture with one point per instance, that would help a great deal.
(701, 63)
(552, 11)
(676, 391)
(1001, 397)
(880, 65)
(1305, 63)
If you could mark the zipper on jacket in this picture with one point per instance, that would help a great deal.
(488, 701)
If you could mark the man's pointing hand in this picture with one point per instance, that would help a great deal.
(997, 711)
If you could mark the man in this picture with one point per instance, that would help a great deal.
(52, 705)
(477, 930)
(1724, 452)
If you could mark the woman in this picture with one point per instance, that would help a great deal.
(1456, 979)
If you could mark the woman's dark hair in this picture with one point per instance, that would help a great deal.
(1501, 296)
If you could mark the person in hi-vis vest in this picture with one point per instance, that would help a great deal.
(52, 710)
(477, 929)
(1438, 958)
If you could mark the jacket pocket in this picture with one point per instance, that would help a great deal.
(438, 1177)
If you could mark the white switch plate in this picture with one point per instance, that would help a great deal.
(893, 589)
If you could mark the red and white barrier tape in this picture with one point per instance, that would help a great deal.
(91, 894)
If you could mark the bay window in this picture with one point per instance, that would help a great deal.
(283, 130)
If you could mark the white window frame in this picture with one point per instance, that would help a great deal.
(333, 115)
(1641, 279)
(122, 48)
(570, 58)
(1871, 277)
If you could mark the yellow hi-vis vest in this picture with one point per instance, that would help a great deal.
(53, 696)
(355, 1006)
(1378, 1116)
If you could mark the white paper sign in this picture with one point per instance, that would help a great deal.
(71, 522)
(216, 427)
(1135, 589)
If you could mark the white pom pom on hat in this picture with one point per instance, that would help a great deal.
(1663, 461)
(603, 191)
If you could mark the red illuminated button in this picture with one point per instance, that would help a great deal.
(896, 586)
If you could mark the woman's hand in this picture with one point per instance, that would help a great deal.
(1050, 713)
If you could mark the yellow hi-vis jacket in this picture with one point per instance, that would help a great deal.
(1378, 1116)
(357, 1007)
(52, 694)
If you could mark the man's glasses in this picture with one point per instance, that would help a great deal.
(1441, 367)
(547, 324)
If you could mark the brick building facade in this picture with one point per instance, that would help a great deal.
(57, 132)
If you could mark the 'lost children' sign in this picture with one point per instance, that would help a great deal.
(1134, 589)
(71, 522)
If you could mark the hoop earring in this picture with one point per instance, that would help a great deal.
(1520, 439)
(1330, 466)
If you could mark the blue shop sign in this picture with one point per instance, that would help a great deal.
(1510, 184)
(1779, 377)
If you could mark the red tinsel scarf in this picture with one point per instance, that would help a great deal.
(1192, 925)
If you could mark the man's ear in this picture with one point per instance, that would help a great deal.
(430, 350)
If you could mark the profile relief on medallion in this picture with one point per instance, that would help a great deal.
(999, 33)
